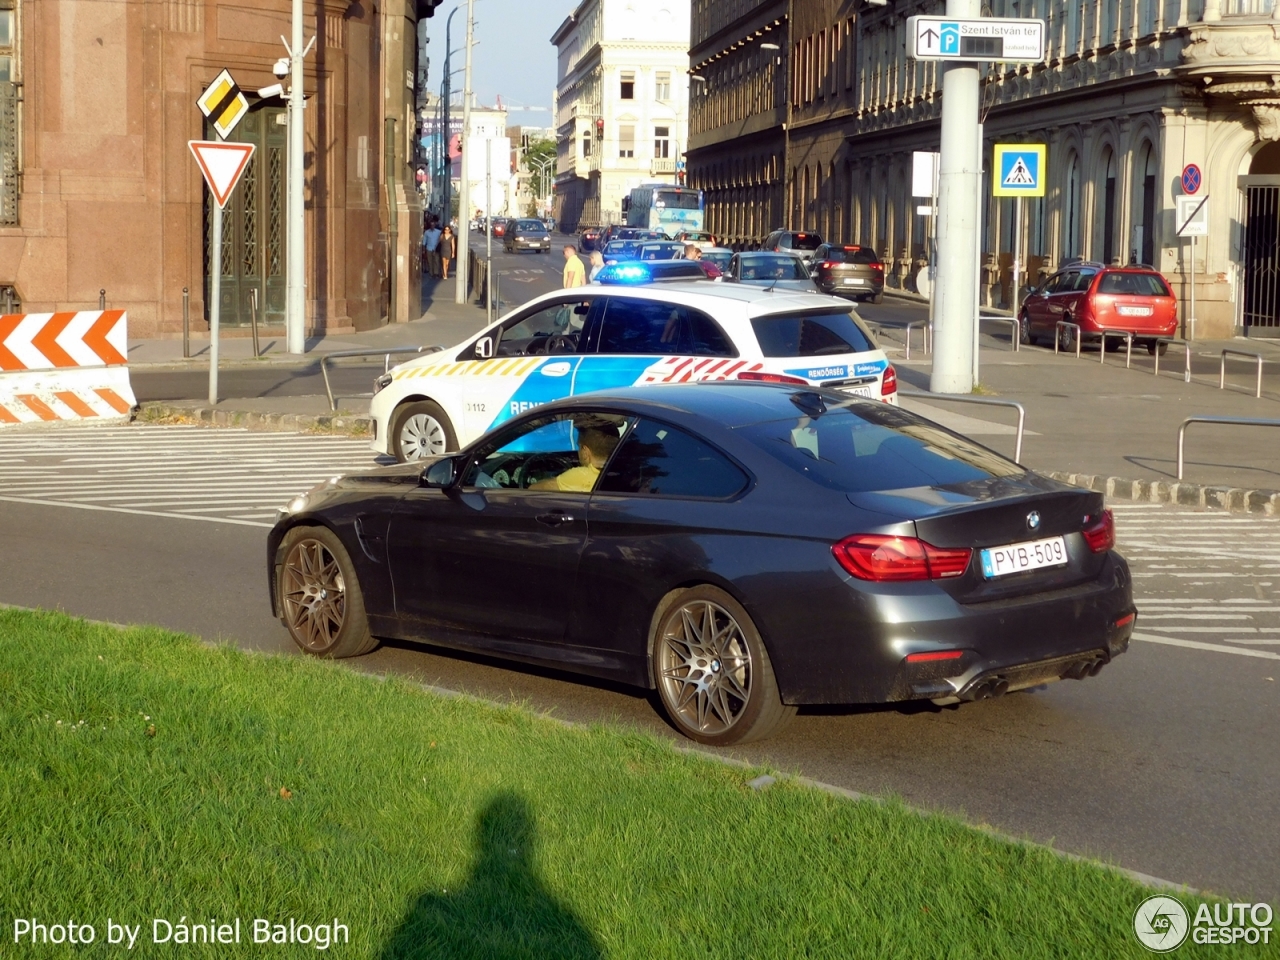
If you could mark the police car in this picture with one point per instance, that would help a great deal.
(623, 330)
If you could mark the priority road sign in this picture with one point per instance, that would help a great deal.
(1019, 170)
(1192, 216)
(1001, 40)
(222, 164)
(1191, 179)
(223, 103)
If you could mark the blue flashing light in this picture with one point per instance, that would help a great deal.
(623, 273)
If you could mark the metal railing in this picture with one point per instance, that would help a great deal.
(386, 364)
(1015, 335)
(1230, 421)
(1186, 348)
(1057, 335)
(983, 401)
(926, 336)
(1222, 369)
(1128, 346)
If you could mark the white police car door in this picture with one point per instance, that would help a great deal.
(636, 340)
(534, 362)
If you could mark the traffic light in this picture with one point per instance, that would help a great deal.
(427, 8)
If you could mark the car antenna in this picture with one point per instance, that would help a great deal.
(769, 288)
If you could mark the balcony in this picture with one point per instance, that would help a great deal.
(1232, 54)
(662, 167)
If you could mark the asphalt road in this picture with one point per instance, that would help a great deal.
(1166, 763)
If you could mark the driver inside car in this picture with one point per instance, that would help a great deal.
(594, 449)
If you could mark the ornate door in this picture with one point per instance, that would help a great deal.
(1262, 259)
(253, 227)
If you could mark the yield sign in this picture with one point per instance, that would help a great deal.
(222, 164)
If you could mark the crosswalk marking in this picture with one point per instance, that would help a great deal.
(1202, 576)
(220, 475)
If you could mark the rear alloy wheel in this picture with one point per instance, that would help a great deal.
(1067, 337)
(320, 601)
(713, 674)
(420, 430)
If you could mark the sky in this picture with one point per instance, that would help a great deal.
(513, 56)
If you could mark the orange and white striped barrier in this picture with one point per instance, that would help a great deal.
(64, 366)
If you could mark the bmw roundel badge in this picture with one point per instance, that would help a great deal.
(1033, 520)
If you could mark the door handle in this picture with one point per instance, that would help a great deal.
(554, 519)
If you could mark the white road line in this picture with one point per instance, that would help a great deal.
(1193, 616)
(1214, 647)
(140, 513)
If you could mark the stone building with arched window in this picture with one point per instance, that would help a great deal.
(818, 135)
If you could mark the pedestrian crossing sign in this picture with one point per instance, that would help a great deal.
(1019, 169)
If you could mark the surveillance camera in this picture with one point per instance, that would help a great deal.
(281, 68)
(275, 90)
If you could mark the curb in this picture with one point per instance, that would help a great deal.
(339, 424)
(1231, 499)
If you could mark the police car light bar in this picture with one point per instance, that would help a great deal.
(623, 273)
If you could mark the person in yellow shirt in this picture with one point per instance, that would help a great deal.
(594, 449)
(575, 274)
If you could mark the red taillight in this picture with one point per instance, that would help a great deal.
(881, 558)
(826, 265)
(934, 655)
(877, 267)
(1127, 619)
(889, 384)
(1101, 534)
(762, 377)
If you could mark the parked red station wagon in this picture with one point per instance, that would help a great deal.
(1133, 299)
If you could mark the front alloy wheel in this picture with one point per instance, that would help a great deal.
(713, 674)
(320, 600)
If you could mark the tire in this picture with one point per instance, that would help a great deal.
(1067, 337)
(320, 600)
(421, 430)
(1151, 348)
(877, 297)
(705, 700)
(1114, 344)
(1024, 331)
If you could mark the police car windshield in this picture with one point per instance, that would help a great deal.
(818, 334)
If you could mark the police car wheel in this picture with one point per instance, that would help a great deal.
(421, 430)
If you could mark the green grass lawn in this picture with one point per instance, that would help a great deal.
(143, 776)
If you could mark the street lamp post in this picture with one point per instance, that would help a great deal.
(464, 201)
(296, 260)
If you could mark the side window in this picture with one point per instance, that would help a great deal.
(1083, 279)
(1066, 282)
(556, 328)
(564, 453)
(654, 328)
(661, 461)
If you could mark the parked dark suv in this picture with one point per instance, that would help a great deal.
(848, 270)
(527, 235)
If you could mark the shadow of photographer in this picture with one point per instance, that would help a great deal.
(503, 910)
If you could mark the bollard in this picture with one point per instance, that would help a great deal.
(186, 323)
(253, 319)
(102, 299)
(8, 300)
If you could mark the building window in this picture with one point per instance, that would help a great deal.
(661, 143)
(662, 86)
(626, 141)
(6, 45)
(627, 89)
(586, 142)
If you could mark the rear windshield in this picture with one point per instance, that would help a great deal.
(1136, 284)
(861, 255)
(810, 334)
(771, 267)
(804, 241)
(863, 446)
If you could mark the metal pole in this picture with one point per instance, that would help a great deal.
(215, 302)
(186, 323)
(464, 188)
(1191, 332)
(488, 233)
(1017, 258)
(253, 319)
(393, 221)
(959, 182)
(102, 299)
(295, 310)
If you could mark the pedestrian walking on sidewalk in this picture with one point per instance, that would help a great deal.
(448, 250)
(575, 275)
(597, 264)
(431, 247)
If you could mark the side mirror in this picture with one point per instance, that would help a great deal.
(441, 474)
(484, 348)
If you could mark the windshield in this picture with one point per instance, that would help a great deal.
(531, 226)
(804, 241)
(810, 334)
(766, 267)
(862, 446)
(679, 200)
(1135, 284)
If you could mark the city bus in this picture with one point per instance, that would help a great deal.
(664, 207)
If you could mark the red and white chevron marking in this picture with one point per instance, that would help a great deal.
(55, 341)
(87, 393)
(685, 369)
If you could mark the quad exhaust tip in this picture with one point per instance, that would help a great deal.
(996, 686)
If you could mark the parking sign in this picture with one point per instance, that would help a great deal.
(1019, 170)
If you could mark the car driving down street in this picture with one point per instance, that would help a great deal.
(742, 548)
